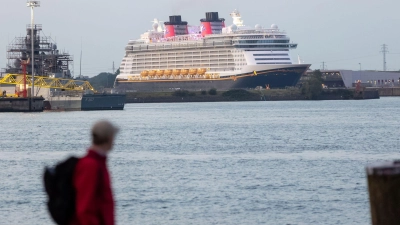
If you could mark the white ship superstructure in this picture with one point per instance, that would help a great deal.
(175, 51)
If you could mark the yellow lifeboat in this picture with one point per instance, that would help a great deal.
(160, 72)
(167, 72)
(144, 73)
(193, 71)
(201, 71)
(184, 71)
(176, 71)
(152, 73)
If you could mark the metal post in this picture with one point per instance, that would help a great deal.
(33, 56)
(24, 64)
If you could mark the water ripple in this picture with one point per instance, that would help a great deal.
(212, 163)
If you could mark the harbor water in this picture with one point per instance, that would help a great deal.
(294, 162)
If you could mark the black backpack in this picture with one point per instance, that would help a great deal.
(58, 182)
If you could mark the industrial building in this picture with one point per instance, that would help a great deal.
(367, 78)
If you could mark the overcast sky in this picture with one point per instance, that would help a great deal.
(343, 33)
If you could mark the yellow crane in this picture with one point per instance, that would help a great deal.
(47, 82)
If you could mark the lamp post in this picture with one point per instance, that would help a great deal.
(360, 66)
(32, 4)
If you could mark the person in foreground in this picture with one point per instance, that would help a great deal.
(94, 203)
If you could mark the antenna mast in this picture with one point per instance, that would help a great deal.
(33, 4)
(323, 66)
(384, 50)
(80, 62)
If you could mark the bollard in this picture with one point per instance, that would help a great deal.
(384, 193)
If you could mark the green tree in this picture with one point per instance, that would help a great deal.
(312, 88)
(103, 80)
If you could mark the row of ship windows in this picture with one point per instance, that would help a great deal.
(145, 62)
(261, 41)
(182, 66)
(270, 55)
(179, 66)
(218, 53)
(264, 46)
(256, 50)
(184, 58)
(181, 55)
(237, 45)
(272, 58)
(275, 63)
(216, 70)
(187, 52)
(163, 68)
(165, 57)
(381, 81)
(262, 36)
(198, 57)
(178, 45)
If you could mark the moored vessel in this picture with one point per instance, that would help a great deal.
(53, 79)
(174, 55)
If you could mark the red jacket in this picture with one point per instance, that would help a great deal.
(94, 200)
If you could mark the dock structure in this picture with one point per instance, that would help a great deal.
(47, 82)
(350, 78)
(10, 104)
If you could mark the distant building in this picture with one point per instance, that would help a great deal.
(348, 78)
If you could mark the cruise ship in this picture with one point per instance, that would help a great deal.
(177, 56)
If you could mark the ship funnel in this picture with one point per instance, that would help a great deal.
(175, 19)
(212, 24)
(212, 16)
(175, 26)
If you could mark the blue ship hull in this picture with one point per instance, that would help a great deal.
(103, 102)
(278, 78)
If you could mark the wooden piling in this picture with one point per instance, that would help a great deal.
(384, 193)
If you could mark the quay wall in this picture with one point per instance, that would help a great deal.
(21, 104)
(264, 95)
(386, 91)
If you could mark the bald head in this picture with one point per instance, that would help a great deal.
(103, 132)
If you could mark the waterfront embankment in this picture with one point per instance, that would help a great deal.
(290, 94)
(388, 91)
(10, 104)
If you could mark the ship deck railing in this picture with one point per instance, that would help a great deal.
(180, 77)
(194, 41)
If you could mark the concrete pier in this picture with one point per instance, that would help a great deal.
(389, 91)
(21, 104)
